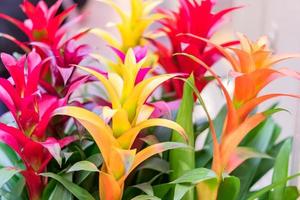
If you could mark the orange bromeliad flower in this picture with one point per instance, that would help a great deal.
(253, 65)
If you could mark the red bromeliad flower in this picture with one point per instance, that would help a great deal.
(32, 112)
(43, 23)
(198, 19)
(45, 29)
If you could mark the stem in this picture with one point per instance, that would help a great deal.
(34, 184)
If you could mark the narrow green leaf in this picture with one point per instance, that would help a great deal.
(229, 188)
(60, 192)
(281, 170)
(259, 138)
(77, 191)
(181, 190)
(182, 160)
(84, 166)
(145, 197)
(162, 190)
(6, 174)
(95, 158)
(195, 176)
(266, 189)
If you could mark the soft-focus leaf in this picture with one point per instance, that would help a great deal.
(6, 174)
(181, 191)
(229, 188)
(281, 169)
(266, 189)
(60, 192)
(182, 160)
(259, 138)
(77, 191)
(145, 197)
(291, 193)
(195, 176)
(84, 166)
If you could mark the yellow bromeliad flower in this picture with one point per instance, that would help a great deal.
(128, 91)
(133, 25)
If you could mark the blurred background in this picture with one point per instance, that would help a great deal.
(275, 18)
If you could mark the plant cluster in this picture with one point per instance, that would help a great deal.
(83, 126)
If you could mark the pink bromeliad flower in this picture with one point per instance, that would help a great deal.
(46, 31)
(196, 18)
(32, 111)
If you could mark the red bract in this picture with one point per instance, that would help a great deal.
(198, 19)
(43, 23)
(32, 112)
(46, 31)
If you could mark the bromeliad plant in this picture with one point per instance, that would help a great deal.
(197, 18)
(130, 114)
(59, 141)
(31, 112)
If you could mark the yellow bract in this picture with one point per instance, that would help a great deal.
(133, 25)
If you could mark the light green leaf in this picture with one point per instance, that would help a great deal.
(77, 191)
(6, 174)
(182, 160)
(231, 184)
(181, 190)
(60, 192)
(266, 189)
(281, 170)
(291, 193)
(84, 166)
(145, 197)
(195, 176)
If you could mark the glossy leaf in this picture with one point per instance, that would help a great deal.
(83, 166)
(229, 188)
(281, 170)
(268, 188)
(6, 174)
(76, 190)
(182, 160)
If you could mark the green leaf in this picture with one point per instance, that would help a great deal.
(60, 192)
(273, 149)
(259, 138)
(182, 160)
(84, 166)
(145, 197)
(162, 189)
(281, 170)
(266, 189)
(95, 158)
(195, 176)
(181, 190)
(8, 156)
(291, 193)
(6, 174)
(77, 191)
(229, 188)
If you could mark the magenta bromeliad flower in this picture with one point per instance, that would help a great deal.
(195, 18)
(32, 112)
(43, 24)
(46, 31)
